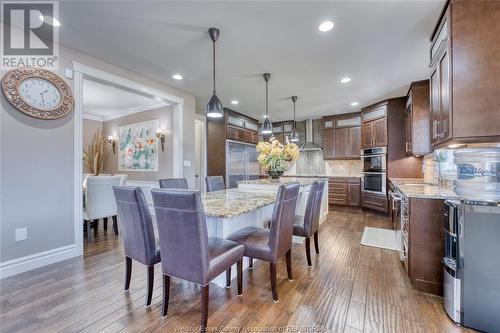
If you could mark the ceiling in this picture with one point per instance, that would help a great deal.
(381, 45)
(106, 102)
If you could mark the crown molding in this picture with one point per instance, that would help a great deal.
(127, 112)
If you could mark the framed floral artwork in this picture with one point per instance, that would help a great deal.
(138, 146)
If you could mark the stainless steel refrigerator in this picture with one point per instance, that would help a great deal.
(241, 163)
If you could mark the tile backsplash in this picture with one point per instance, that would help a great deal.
(343, 167)
(310, 162)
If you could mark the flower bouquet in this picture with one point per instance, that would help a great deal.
(274, 157)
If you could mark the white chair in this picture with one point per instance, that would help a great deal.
(124, 177)
(86, 175)
(100, 201)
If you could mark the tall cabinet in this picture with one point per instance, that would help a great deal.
(342, 137)
(464, 75)
(233, 127)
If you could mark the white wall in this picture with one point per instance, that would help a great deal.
(36, 167)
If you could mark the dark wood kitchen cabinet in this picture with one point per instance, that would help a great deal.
(464, 76)
(344, 191)
(233, 126)
(329, 143)
(383, 124)
(374, 127)
(417, 119)
(377, 202)
(342, 136)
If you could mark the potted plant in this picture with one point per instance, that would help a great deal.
(95, 154)
(274, 157)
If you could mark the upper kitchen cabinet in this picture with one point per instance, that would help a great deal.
(464, 74)
(383, 124)
(374, 126)
(342, 136)
(417, 118)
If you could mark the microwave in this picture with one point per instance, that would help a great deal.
(374, 159)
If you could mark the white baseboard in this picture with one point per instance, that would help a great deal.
(27, 263)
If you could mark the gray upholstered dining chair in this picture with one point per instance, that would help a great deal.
(307, 226)
(174, 183)
(271, 244)
(138, 234)
(215, 183)
(187, 251)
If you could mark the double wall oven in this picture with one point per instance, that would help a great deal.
(374, 169)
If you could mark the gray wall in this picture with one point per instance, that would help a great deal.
(36, 167)
(165, 158)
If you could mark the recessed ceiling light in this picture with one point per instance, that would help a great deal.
(235, 102)
(50, 20)
(158, 98)
(326, 26)
(354, 103)
(345, 79)
(177, 77)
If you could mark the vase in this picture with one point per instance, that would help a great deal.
(275, 174)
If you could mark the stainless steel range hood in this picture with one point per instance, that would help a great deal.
(310, 145)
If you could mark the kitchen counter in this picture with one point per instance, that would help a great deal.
(303, 181)
(268, 184)
(230, 203)
(416, 188)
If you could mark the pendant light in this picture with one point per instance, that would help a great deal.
(294, 136)
(214, 107)
(267, 127)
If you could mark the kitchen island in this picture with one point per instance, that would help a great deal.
(269, 184)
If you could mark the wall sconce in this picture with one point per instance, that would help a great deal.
(160, 134)
(112, 140)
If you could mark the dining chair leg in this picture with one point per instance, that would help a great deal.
(128, 273)
(204, 308)
(151, 278)
(272, 271)
(96, 225)
(105, 223)
(308, 251)
(89, 233)
(250, 263)
(316, 244)
(239, 268)
(289, 264)
(115, 224)
(228, 277)
(166, 295)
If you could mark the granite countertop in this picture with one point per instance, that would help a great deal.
(234, 202)
(416, 188)
(303, 181)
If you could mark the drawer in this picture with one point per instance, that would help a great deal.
(337, 188)
(375, 202)
(334, 180)
(354, 180)
(338, 200)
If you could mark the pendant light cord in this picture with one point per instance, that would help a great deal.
(213, 44)
(267, 101)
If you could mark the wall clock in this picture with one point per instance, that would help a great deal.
(37, 92)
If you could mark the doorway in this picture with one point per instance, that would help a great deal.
(83, 72)
(200, 152)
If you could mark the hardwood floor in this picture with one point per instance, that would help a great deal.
(349, 288)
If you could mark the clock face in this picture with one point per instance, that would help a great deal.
(39, 93)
